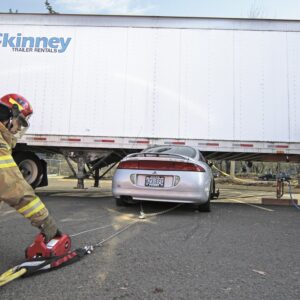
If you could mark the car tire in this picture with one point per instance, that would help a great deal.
(212, 191)
(125, 201)
(205, 207)
(121, 202)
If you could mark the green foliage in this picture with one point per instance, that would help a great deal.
(13, 12)
(49, 8)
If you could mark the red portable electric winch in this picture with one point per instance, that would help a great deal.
(59, 245)
(42, 256)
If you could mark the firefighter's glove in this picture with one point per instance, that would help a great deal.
(49, 229)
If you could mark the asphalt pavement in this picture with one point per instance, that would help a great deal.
(237, 251)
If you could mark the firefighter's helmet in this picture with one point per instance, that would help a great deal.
(20, 107)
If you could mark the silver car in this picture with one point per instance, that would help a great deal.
(164, 173)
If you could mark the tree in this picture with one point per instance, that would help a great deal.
(49, 8)
(256, 11)
(13, 12)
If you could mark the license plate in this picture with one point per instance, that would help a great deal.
(155, 181)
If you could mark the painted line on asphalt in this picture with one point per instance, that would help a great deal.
(253, 205)
(93, 229)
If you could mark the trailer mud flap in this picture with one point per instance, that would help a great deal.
(44, 181)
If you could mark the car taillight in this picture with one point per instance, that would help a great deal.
(160, 165)
(129, 164)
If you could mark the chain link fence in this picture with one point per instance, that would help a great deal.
(58, 167)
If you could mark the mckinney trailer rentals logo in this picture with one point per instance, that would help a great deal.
(19, 43)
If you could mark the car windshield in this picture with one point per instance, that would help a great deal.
(186, 151)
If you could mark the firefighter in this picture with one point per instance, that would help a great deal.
(15, 111)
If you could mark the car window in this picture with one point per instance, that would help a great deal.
(186, 151)
(201, 157)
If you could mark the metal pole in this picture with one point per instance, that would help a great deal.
(80, 174)
(232, 168)
(97, 177)
(70, 165)
(108, 170)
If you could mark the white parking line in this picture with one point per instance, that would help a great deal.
(260, 207)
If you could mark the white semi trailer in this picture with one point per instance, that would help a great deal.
(104, 86)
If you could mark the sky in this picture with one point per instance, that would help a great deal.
(269, 9)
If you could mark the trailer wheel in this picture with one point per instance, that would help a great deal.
(30, 166)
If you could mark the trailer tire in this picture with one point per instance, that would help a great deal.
(30, 166)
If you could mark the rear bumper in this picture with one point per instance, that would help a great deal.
(193, 189)
(169, 197)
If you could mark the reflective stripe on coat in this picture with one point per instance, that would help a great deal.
(14, 190)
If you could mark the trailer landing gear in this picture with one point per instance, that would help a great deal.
(80, 174)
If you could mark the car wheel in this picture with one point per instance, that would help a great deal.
(212, 191)
(121, 202)
(205, 207)
(124, 201)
